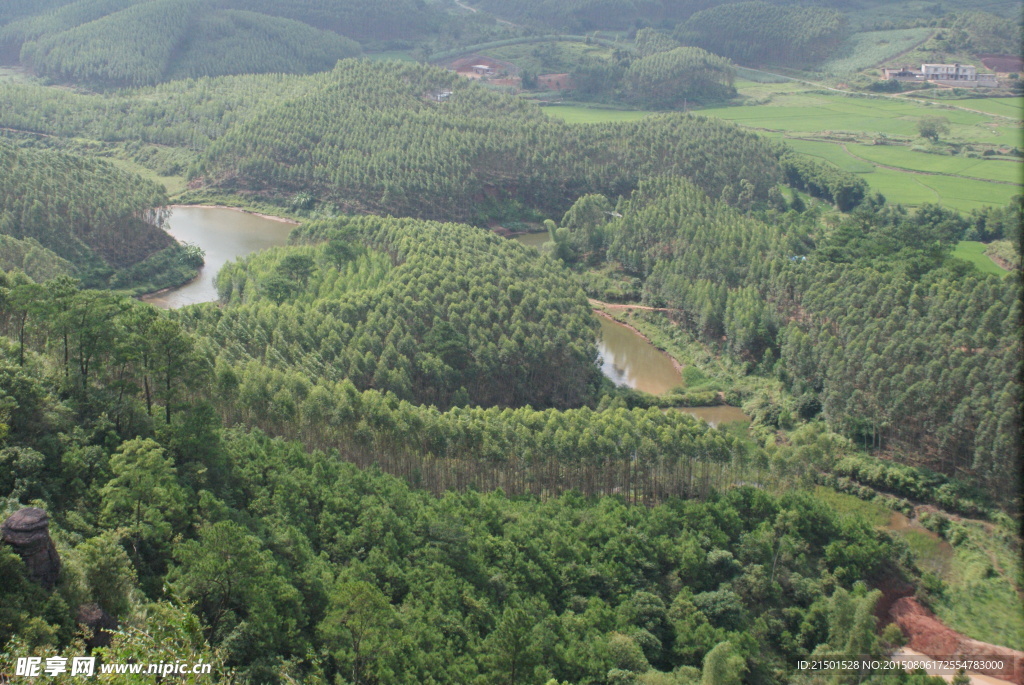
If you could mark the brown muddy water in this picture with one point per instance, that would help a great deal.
(627, 359)
(225, 234)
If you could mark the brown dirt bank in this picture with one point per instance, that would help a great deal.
(928, 635)
(271, 217)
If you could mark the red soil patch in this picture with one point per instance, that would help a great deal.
(1003, 63)
(554, 81)
(928, 635)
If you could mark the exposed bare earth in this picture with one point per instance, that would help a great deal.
(928, 635)
(609, 305)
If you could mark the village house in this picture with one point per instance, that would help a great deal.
(959, 75)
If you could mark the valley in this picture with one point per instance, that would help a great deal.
(557, 343)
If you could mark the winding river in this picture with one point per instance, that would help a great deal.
(227, 234)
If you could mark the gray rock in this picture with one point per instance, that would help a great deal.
(100, 624)
(27, 531)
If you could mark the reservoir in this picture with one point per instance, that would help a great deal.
(224, 234)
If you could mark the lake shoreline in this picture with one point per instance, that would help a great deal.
(270, 217)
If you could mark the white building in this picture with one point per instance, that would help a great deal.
(959, 75)
(949, 72)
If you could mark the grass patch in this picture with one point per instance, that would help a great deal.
(389, 55)
(905, 158)
(875, 513)
(175, 185)
(809, 112)
(930, 551)
(549, 57)
(965, 195)
(575, 114)
(1007, 107)
(980, 598)
(974, 252)
(910, 189)
(16, 75)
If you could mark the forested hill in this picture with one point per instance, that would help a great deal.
(382, 138)
(72, 210)
(279, 550)
(869, 322)
(588, 15)
(71, 39)
(159, 40)
(437, 314)
(759, 32)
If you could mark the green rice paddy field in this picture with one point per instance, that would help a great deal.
(842, 130)
(974, 252)
(576, 114)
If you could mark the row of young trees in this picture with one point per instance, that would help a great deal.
(821, 180)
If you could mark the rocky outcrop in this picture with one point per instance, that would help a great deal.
(928, 635)
(27, 531)
(101, 625)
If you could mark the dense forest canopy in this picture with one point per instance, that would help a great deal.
(661, 75)
(666, 80)
(868, 322)
(436, 314)
(77, 215)
(186, 115)
(117, 43)
(161, 40)
(761, 32)
(366, 137)
(478, 585)
(376, 139)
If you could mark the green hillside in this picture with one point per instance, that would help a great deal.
(373, 140)
(165, 39)
(76, 215)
